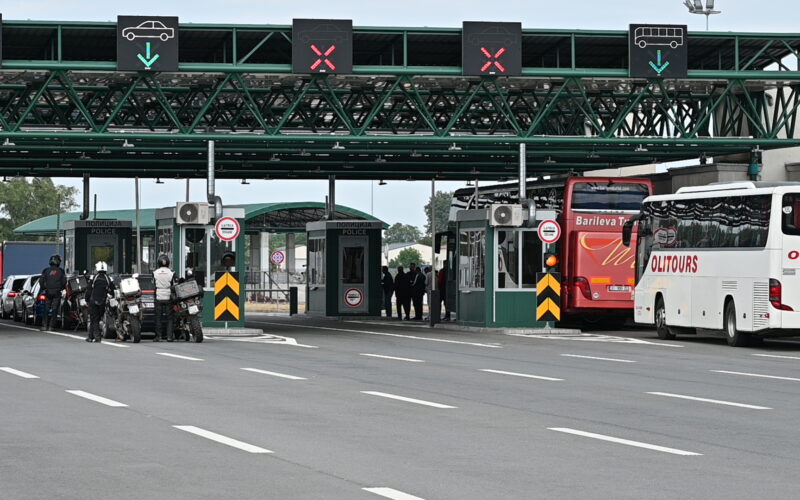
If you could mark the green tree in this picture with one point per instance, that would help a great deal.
(22, 201)
(402, 233)
(406, 257)
(441, 211)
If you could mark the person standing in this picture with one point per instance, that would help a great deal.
(418, 292)
(441, 284)
(429, 287)
(387, 282)
(402, 293)
(165, 279)
(97, 294)
(53, 282)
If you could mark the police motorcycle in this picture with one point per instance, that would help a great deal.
(74, 309)
(188, 305)
(125, 308)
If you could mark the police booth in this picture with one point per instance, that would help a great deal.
(87, 242)
(344, 268)
(494, 257)
(188, 235)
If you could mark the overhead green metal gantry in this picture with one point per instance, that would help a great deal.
(405, 113)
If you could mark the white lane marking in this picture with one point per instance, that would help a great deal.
(61, 334)
(410, 360)
(705, 400)
(408, 400)
(392, 493)
(413, 337)
(21, 327)
(219, 438)
(274, 374)
(627, 442)
(18, 373)
(757, 375)
(776, 356)
(188, 358)
(591, 337)
(264, 339)
(526, 375)
(599, 359)
(98, 399)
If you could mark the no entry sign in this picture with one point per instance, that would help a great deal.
(549, 231)
(227, 229)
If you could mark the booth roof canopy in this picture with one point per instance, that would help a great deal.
(279, 217)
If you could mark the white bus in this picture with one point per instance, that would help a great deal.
(723, 258)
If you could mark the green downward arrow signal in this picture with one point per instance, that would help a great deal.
(148, 61)
(659, 67)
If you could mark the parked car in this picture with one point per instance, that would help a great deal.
(11, 288)
(19, 300)
(34, 306)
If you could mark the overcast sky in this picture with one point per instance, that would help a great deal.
(397, 201)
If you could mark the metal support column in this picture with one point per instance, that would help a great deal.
(138, 267)
(331, 197)
(523, 172)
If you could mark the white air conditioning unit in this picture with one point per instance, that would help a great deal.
(193, 213)
(506, 215)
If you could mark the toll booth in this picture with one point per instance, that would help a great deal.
(344, 268)
(88, 241)
(196, 243)
(495, 268)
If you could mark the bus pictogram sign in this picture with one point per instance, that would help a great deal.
(658, 51)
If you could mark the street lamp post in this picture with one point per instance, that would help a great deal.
(696, 7)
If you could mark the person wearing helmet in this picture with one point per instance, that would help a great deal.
(96, 295)
(54, 281)
(165, 279)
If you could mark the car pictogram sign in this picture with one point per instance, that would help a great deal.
(491, 49)
(322, 46)
(147, 43)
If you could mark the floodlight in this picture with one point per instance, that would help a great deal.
(8, 142)
(697, 8)
(244, 181)
(382, 183)
(454, 147)
(126, 144)
(159, 181)
(337, 146)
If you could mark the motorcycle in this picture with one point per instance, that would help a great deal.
(126, 310)
(188, 306)
(74, 309)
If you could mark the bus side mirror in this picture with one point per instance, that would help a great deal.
(627, 231)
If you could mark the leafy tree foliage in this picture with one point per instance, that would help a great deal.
(23, 200)
(402, 233)
(406, 257)
(441, 211)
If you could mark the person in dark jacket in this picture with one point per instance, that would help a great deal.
(96, 296)
(387, 282)
(402, 293)
(54, 281)
(441, 283)
(417, 292)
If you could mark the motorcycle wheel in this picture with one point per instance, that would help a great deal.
(135, 330)
(196, 328)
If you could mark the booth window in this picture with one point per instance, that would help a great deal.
(353, 265)
(105, 254)
(196, 254)
(316, 261)
(164, 242)
(472, 259)
(519, 257)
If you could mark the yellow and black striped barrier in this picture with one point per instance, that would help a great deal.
(226, 297)
(548, 297)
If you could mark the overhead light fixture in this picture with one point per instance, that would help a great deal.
(454, 147)
(159, 181)
(696, 7)
(8, 142)
(348, 166)
(593, 155)
(104, 151)
(244, 181)
(380, 159)
(469, 183)
(83, 156)
(337, 146)
(414, 154)
(126, 144)
(549, 160)
(274, 157)
(303, 152)
(640, 149)
(382, 182)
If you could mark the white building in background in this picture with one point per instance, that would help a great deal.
(392, 250)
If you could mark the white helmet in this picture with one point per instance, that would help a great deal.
(101, 267)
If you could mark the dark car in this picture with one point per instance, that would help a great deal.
(19, 300)
(34, 306)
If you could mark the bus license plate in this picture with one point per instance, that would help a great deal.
(619, 288)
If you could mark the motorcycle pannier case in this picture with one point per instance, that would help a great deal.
(78, 284)
(129, 286)
(187, 289)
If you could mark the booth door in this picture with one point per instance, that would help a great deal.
(472, 276)
(353, 290)
(102, 247)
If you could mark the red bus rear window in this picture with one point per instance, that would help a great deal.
(608, 196)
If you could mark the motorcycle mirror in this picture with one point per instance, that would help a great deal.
(135, 276)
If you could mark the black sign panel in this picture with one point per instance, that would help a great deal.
(491, 49)
(147, 43)
(658, 51)
(322, 46)
(1, 39)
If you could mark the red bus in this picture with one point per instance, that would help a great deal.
(597, 269)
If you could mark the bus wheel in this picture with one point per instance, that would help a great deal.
(662, 330)
(735, 337)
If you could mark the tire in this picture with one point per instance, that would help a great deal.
(642, 44)
(196, 328)
(163, 37)
(130, 36)
(135, 330)
(662, 330)
(674, 45)
(734, 337)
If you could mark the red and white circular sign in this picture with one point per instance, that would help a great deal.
(277, 257)
(549, 231)
(227, 229)
(353, 297)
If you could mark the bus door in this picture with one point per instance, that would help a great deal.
(790, 249)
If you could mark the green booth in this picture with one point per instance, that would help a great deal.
(88, 241)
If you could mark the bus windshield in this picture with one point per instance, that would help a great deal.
(608, 197)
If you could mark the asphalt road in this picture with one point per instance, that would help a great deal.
(376, 410)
